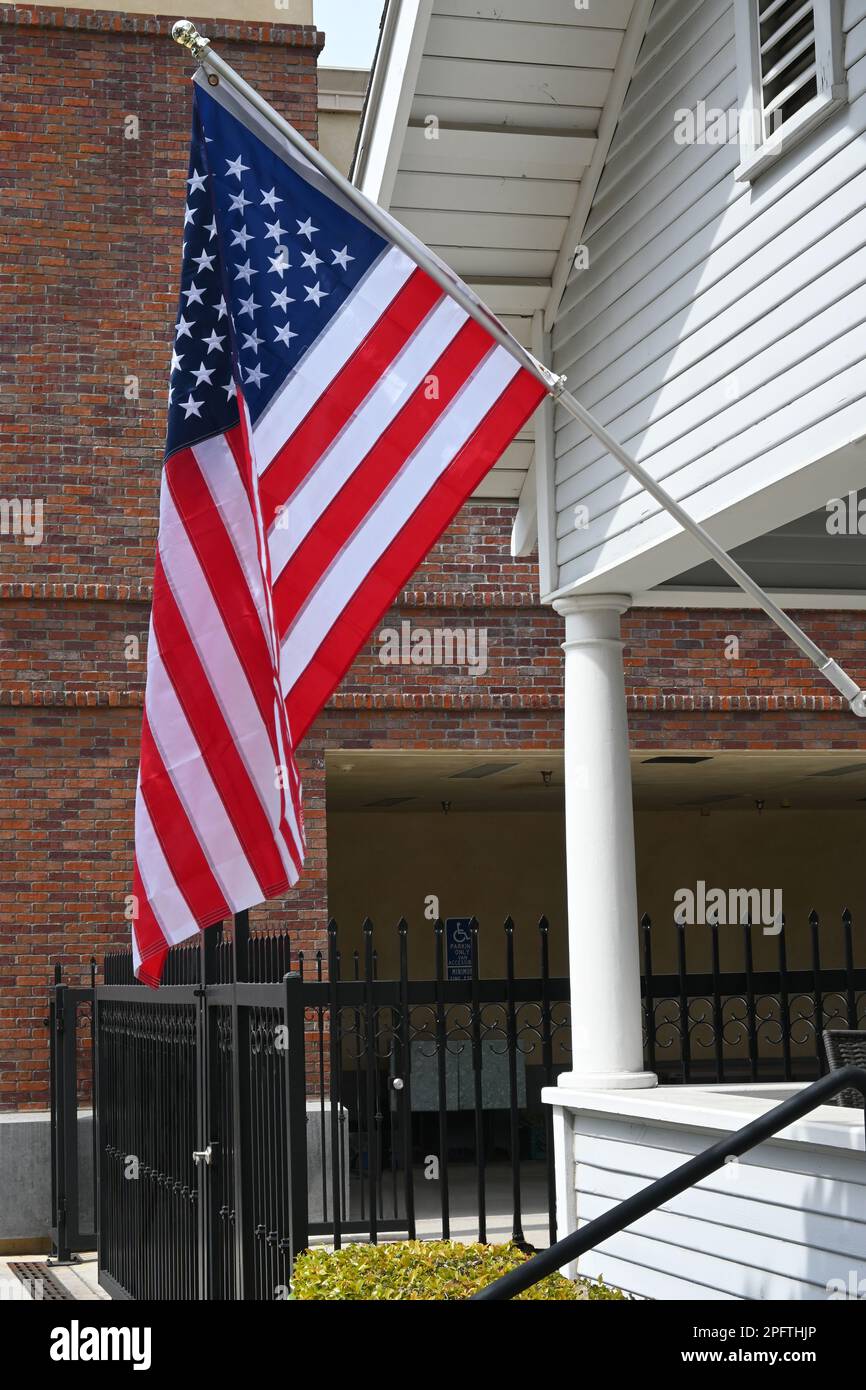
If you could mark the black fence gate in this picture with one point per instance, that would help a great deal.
(199, 1124)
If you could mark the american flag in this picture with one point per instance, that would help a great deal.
(330, 410)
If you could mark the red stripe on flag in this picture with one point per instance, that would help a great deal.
(376, 593)
(152, 945)
(214, 739)
(352, 384)
(370, 479)
(240, 445)
(225, 577)
(183, 853)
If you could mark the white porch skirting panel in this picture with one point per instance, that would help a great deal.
(787, 1221)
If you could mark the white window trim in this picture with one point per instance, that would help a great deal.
(758, 154)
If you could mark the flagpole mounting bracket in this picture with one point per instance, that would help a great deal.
(185, 33)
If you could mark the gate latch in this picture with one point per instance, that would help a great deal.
(203, 1154)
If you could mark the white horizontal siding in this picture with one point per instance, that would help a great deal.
(570, 45)
(527, 82)
(780, 1224)
(720, 328)
(612, 14)
(482, 193)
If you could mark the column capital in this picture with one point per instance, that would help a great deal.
(592, 603)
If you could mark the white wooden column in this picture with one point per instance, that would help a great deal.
(604, 961)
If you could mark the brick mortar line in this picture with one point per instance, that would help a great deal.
(85, 20)
(71, 591)
(75, 591)
(350, 700)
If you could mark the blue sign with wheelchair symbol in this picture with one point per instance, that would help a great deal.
(458, 948)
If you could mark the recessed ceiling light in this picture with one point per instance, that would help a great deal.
(841, 771)
(712, 800)
(390, 801)
(680, 758)
(483, 770)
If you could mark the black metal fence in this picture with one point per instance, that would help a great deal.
(200, 1126)
(429, 1090)
(716, 1016)
(264, 1097)
(70, 1053)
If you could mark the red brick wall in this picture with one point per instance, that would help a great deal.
(90, 253)
(94, 284)
(89, 266)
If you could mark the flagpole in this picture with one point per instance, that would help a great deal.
(186, 34)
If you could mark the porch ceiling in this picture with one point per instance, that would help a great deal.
(482, 122)
(390, 783)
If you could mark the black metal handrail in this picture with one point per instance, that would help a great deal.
(672, 1184)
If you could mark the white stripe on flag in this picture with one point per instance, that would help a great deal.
(329, 354)
(292, 793)
(194, 785)
(166, 901)
(224, 482)
(226, 676)
(350, 448)
(383, 522)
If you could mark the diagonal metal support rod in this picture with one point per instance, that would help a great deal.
(185, 33)
(830, 669)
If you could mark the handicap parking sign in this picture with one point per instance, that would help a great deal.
(458, 946)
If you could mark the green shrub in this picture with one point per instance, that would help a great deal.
(423, 1269)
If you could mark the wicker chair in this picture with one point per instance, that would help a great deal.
(846, 1047)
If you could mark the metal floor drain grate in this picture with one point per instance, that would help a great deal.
(42, 1284)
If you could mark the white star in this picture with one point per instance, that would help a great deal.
(256, 375)
(204, 261)
(241, 238)
(279, 263)
(203, 373)
(171, 395)
(196, 182)
(281, 300)
(247, 306)
(306, 228)
(316, 294)
(211, 227)
(214, 342)
(188, 215)
(222, 312)
(311, 260)
(193, 295)
(236, 167)
(271, 199)
(231, 391)
(275, 231)
(192, 407)
(285, 335)
(342, 258)
(253, 341)
(245, 271)
(238, 202)
(175, 361)
(183, 328)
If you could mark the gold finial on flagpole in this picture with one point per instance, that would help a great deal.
(185, 33)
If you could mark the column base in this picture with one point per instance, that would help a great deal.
(607, 1080)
